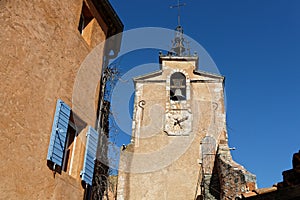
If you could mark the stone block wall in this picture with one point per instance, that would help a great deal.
(234, 179)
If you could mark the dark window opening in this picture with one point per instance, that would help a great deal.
(85, 18)
(65, 128)
(69, 147)
(75, 126)
(178, 87)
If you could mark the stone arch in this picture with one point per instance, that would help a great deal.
(177, 86)
(187, 83)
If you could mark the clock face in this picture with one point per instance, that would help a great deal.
(178, 122)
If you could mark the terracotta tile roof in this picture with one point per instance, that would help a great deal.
(259, 191)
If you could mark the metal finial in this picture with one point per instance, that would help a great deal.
(178, 8)
(178, 46)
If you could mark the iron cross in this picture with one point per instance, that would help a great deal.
(178, 7)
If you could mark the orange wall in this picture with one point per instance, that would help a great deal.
(40, 56)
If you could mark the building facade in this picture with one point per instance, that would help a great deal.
(51, 94)
(179, 148)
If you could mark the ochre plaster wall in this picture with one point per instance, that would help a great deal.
(41, 53)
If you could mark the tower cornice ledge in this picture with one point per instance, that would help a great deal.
(178, 58)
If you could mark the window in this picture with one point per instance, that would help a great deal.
(178, 87)
(56, 150)
(85, 18)
(90, 156)
(62, 147)
(86, 24)
(70, 147)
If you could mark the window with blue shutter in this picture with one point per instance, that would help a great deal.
(60, 125)
(90, 156)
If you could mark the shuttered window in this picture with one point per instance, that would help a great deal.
(90, 156)
(59, 133)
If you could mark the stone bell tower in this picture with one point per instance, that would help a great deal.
(179, 148)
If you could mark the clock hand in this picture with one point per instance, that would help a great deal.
(183, 119)
(178, 121)
(180, 125)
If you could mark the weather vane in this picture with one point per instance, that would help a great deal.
(178, 7)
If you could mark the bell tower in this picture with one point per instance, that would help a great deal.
(179, 148)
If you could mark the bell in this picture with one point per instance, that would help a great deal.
(178, 94)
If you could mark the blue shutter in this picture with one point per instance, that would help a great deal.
(90, 156)
(59, 133)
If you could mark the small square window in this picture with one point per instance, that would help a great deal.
(85, 18)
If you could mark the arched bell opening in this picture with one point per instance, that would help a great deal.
(178, 87)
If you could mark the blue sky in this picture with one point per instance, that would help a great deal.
(256, 46)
